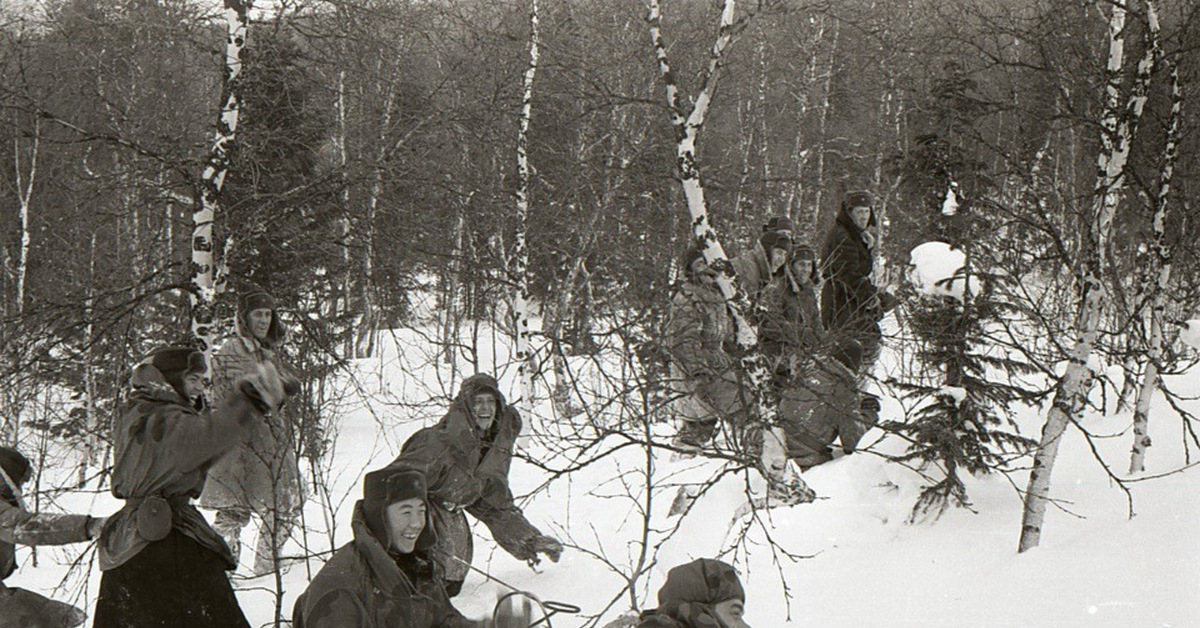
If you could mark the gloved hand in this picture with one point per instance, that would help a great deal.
(93, 527)
(264, 387)
(542, 544)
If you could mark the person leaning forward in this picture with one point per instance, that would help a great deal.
(162, 564)
(465, 458)
(20, 608)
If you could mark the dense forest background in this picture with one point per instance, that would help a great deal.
(376, 160)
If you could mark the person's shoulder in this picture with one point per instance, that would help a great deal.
(343, 570)
(654, 620)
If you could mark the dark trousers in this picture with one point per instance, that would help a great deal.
(172, 583)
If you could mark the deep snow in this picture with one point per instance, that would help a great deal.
(858, 563)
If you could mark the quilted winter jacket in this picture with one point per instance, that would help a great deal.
(362, 587)
(163, 447)
(468, 470)
(697, 330)
(822, 407)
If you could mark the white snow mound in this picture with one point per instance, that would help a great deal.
(933, 264)
(1191, 333)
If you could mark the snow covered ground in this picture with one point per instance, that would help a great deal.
(849, 560)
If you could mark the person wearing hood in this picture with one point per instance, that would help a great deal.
(759, 266)
(20, 608)
(703, 377)
(705, 593)
(465, 459)
(387, 576)
(850, 302)
(260, 476)
(162, 564)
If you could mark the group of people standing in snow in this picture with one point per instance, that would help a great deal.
(818, 320)
(231, 448)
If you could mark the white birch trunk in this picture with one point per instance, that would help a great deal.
(91, 435)
(520, 259)
(203, 294)
(342, 159)
(26, 176)
(25, 183)
(822, 125)
(1163, 257)
(1071, 393)
(779, 473)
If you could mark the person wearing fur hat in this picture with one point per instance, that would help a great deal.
(705, 593)
(790, 329)
(162, 564)
(704, 377)
(387, 576)
(850, 302)
(260, 476)
(20, 608)
(466, 457)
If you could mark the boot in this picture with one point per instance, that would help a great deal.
(229, 524)
(693, 435)
(270, 543)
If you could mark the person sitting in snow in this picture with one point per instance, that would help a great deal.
(705, 593)
(259, 476)
(20, 608)
(704, 377)
(162, 564)
(825, 405)
(387, 576)
(465, 458)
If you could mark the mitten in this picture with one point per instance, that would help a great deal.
(264, 387)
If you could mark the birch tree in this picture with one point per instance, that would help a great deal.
(25, 176)
(520, 259)
(1071, 391)
(785, 482)
(1163, 261)
(212, 179)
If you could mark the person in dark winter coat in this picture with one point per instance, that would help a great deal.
(465, 458)
(386, 577)
(162, 564)
(20, 608)
(850, 302)
(704, 378)
(704, 593)
(260, 475)
(825, 405)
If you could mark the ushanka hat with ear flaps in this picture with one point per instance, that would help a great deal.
(386, 486)
(858, 199)
(702, 581)
(17, 469)
(778, 223)
(690, 256)
(175, 363)
(253, 298)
